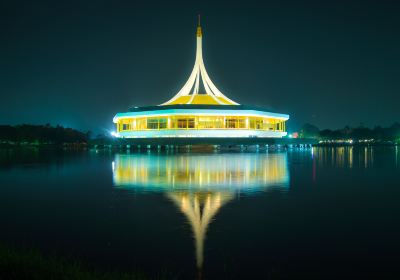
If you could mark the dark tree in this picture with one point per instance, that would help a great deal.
(41, 134)
(309, 131)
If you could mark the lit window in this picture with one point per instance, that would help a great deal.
(125, 126)
(230, 123)
(191, 123)
(241, 123)
(155, 123)
(152, 123)
(182, 123)
(162, 123)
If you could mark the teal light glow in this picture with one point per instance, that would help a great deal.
(201, 112)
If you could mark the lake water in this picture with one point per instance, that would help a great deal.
(321, 212)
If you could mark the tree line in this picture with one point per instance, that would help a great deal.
(47, 134)
(41, 134)
(378, 133)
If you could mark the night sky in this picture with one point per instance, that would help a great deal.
(77, 63)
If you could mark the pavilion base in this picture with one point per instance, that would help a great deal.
(230, 141)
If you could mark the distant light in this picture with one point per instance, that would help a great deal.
(114, 134)
(290, 136)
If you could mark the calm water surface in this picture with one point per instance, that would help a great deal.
(320, 213)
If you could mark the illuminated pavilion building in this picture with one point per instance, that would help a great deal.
(195, 113)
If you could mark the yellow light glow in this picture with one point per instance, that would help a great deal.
(183, 171)
(158, 122)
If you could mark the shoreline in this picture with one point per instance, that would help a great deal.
(127, 145)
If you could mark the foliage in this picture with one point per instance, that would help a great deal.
(378, 133)
(41, 134)
(309, 131)
(30, 264)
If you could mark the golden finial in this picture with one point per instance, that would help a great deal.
(199, 33)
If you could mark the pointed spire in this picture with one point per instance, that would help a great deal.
(199, 33)
(189, 93)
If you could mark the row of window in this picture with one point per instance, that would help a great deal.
(202, 123)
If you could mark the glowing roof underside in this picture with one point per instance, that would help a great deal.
(189, 94)
(201, 99)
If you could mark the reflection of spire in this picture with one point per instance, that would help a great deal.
(199, 209)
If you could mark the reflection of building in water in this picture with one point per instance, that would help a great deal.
(200, 185)
(199, 209)
(344, 157)
(244, 172)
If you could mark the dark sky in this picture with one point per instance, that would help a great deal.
(77, 63)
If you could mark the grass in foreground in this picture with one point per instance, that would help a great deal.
(31, 264)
